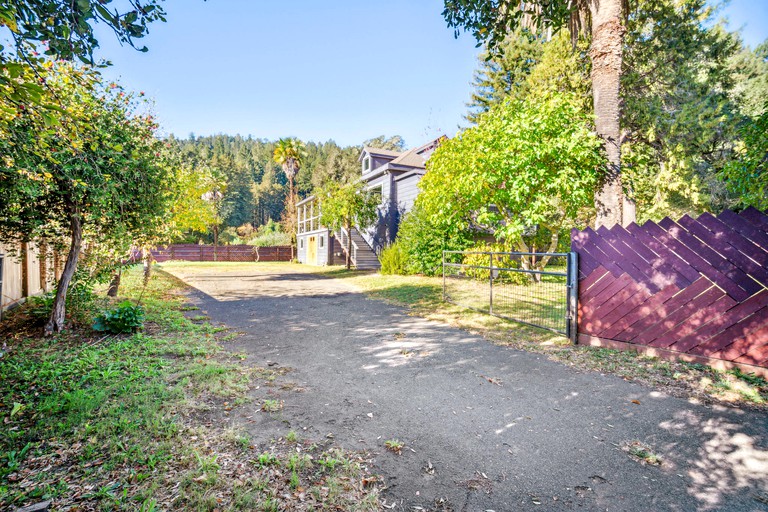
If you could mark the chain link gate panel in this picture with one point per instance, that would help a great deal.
(537, 289)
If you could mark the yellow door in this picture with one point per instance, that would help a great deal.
(312, 251)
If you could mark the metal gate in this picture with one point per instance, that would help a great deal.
(538, 289)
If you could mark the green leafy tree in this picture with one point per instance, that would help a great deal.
(680, 120)
(60, 29)
(491, 21)
(747, 176)
(394, 143)
(346, 206)
(190, 211)
(525, 167)
(269, 198)
(750, 79)
(340, 165)
(95, 173)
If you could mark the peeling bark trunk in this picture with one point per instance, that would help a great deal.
(114, 284)
(553, 240)
(146, 256)
(606, 56)
(57, 320)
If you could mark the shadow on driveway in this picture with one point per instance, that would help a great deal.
(485, 427)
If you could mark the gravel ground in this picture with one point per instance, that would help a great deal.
(483, 427)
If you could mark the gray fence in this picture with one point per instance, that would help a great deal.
(537, 289)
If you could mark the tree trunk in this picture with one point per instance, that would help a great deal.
(349, 245)
(146, 256)
(57, 320)
(606, 55)
(114, 284)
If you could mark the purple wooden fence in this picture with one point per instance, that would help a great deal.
(696, 289)
(194, 252)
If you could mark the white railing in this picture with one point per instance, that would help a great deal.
(344, 237)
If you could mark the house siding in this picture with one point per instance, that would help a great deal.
(397, 199)
(323, 253)
(378, 161)
(407, 190)
(380, 235)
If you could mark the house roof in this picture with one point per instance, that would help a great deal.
(379, 151)
(416, 156)
(411, 158)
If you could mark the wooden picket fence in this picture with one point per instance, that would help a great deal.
(194, 252)
(695, 289)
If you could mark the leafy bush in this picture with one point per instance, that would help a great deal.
(80, 299)
(523, 165)
(40, 306)
(393, 260)
(270, 235)
(423, 242)
(271, 240)
(126, 317)
(230, 236)
(499, 260)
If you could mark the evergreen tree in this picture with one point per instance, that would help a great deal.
(504, 74)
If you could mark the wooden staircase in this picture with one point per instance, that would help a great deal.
(363, 257)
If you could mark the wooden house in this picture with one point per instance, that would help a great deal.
(394, 177)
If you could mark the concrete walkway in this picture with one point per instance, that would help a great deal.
(484, 427)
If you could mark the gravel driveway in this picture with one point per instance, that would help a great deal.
(484, 427)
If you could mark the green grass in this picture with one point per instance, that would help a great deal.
(117, 422)
(643, 453)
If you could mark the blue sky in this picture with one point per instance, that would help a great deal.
(346, 70)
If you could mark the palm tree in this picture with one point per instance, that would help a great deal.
(289, 154)
(491, 20)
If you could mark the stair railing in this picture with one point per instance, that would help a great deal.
(343, 237)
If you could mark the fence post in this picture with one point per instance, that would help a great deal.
(443, 276)
(490, 288)
(572, 314)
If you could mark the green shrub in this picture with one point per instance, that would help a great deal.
(80, 300)
(499, 260)
(40, 306)
(271, 239)
(126, 317)
(423, 242)
(393, 260)
(269, 235)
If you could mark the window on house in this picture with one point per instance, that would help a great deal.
(366, 164)
(322, 242)
(301, 243)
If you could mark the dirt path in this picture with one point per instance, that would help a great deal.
(484, 427)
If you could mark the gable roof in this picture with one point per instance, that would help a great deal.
(411, 158)
(379, 152)
(417, 157)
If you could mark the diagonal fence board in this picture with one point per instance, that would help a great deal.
(695, 287)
